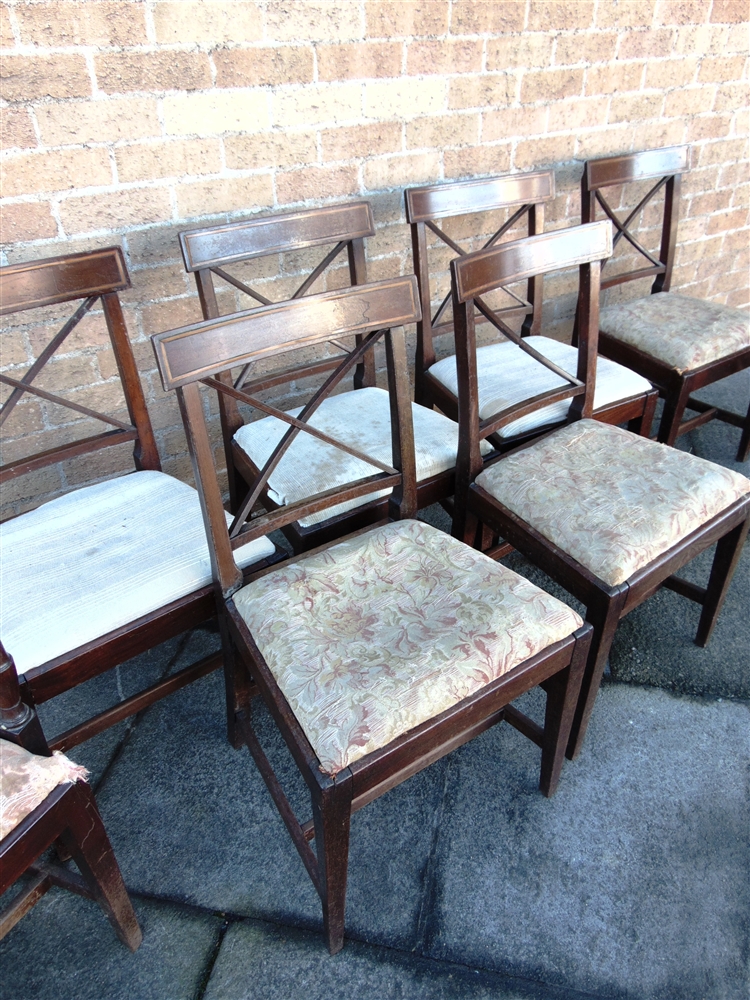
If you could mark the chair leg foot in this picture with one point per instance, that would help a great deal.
(727, 554)
(332, 819)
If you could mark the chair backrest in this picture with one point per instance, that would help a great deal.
(209, 251)
(526, 193)
(665, 166)
(91, 277)
(476, 274)
(199, 353)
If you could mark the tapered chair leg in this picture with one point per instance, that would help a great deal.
(238, 685)
(642, 425)
(604, 620)
(726, 557)
(743, 452)
(88, 844)
(671, 418)
(332, 817)
(563, 690)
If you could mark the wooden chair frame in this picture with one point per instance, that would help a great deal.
(196, 354)
(67, 817)
(666, 167)
(475, 507)
(527, 194)
(91, 276)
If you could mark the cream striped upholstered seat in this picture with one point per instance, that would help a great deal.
(99, 558)
(508, 376)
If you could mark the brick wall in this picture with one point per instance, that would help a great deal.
(127, 121)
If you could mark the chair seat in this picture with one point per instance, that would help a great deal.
(387, 629)
(507, 375)
(99, 558)
(361, 419)
(608, 498)
(682, 332)
(26, 780)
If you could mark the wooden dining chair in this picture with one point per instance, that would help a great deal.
(96, 576)
(506, 375)
(608, 514)
(678, 342)
(381, 652)
(363, 415)
(46, 801)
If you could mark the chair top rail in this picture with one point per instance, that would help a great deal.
(194, 352)
(480, 272)
(440, 201)
(612, 170)
(60, 279)
(236, 241)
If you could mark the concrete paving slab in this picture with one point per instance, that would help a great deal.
(65, 949)
(261, 962)
(634, 881)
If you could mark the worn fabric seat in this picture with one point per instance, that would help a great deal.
(27, 779)
(610, 499)
(99, 558)
(390, 628)
(362, 419)
(681, 331)
(507, 376)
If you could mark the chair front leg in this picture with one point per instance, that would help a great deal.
(238, 684)
(642, 425)
(726, 557)
(89, 846)
(563, 690)
(743, 452)
(332, 816)
(675, 401)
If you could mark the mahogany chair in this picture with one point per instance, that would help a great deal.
(47, 801)
(381, 652)
(363, 415)
(103, 573)
(678, 342)
(506, 375)
(609, 515)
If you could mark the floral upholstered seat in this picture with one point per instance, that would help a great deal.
(611, 500)
(683, 332)
(387, 629)
(362, 419)
(506, 376)
(26, 780)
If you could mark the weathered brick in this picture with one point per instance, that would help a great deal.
(729, 11)
(442, 132)
(482, 91)
(688, 101)
(682, 11)
(473, 161)
(359, 60)
(576, 114)
(312, 183)
(653, 134)
(26, 222)
(98, 121)
(400, 98)
(28, 78)
(386, 18)
(539, 152)
(615, 78)
(668, 73)
(646, 44)
(508, 122)
(215, 112)
(595, 47)
(632, 107)
(712, 201)
(727, 151)
(107, 22)
(169, 315)
(558, 15)
(270, 149)
(396, 171)
(360, 141)
(708, 127)
(191, 22)
(721, 69)
(551, 85)
(16, 129)
(7, 39)
(315, 20)
(603, 142)
(30, 173)
(444, 56)
(477, 17)
(115, 210)
(625, 14)
(731, 96)
(526, 51)
(231, 194)
(154, 160)
(315, 105)
(120, 72)
(260, 67)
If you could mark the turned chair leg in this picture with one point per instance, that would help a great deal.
(332, 817)
(86, 840)
(726, 557)
(563, 691)
(671, 418)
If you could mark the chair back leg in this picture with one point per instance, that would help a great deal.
(726, 557)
